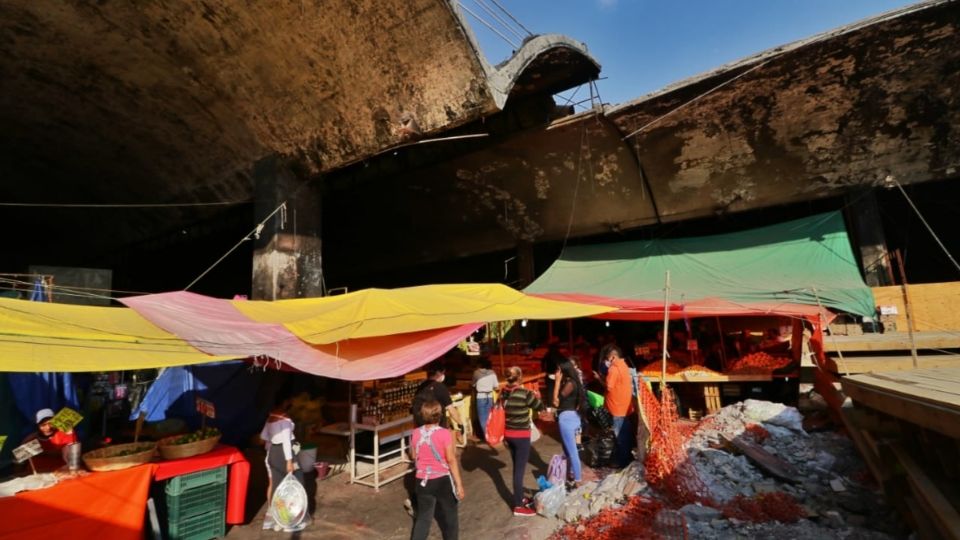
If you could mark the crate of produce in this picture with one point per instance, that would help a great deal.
(185, 482)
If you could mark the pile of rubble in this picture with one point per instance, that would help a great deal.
(821, 472)
(592, 497)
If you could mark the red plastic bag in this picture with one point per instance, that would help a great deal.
(496, 424)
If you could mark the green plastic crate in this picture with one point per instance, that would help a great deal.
(201, 527)
(196, 501)
(179, 484)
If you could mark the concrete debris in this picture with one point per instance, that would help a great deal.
(824, 462)
(834, 502)
(775, 414)
(592, 497)
(696, 512)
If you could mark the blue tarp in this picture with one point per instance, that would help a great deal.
(231, 386)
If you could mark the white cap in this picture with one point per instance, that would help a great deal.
(44, 414)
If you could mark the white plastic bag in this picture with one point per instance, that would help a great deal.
(534, 432)
(289, 503)
(549, 501)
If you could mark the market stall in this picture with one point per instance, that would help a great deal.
(795, 272)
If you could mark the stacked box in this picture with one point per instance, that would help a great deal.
(196, 505)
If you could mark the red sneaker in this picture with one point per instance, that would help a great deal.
(524, 511)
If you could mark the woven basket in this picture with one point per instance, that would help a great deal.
(105, 459)
(178, 451)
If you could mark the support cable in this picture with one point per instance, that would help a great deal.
(255, 233)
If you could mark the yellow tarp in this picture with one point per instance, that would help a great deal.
(382, 312)
(40, 336)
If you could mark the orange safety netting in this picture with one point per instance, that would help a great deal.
(667, 466)
(773, 506)
(636, 519)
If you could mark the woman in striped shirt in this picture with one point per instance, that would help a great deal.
(517, 404)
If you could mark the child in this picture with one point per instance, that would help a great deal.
(439, 486)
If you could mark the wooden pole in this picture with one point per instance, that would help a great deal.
(908, 307)
(502, 369)
(723, 347)
(666, 328)
(136, 432)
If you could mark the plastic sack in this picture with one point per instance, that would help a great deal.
(496, 425)
(549, 501)
(534, 432)
(289, 503)
(557, 469)
(594, 399)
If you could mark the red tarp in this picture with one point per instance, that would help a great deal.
(652, 310)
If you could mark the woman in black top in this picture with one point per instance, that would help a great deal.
(567, 398)
(517, 404)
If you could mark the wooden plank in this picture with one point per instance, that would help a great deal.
(891, 342)
(907, 389)
(864, 364)
(930, 381)
(944, 514)
(765, 460)
(921, 413)
(934, 305)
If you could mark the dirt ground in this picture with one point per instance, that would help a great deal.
(344, 511)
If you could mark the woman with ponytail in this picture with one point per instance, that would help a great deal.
(518, 402)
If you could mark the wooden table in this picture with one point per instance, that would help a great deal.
(711, 388)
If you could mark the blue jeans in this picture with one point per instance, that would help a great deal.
(624, 431)
(569, 424)
(484, 406)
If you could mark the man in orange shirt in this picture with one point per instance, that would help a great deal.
(619, 401)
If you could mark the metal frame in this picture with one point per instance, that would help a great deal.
(377, 457)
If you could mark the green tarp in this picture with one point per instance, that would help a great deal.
(794, 262)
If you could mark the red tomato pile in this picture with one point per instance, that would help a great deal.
(758, 363)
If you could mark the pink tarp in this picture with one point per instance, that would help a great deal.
(216, 327)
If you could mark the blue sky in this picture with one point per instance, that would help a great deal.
(645, 45)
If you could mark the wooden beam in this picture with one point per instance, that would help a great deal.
(930, 498)
(865, 364)
(860, 439)
(921, 413)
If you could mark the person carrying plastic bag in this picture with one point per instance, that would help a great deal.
(277, 435)
(439, 486)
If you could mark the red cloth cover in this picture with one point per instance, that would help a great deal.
(97, 507)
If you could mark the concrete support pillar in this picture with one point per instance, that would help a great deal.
(286, 258)
(869, 238)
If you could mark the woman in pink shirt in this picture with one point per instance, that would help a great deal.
(439, 486)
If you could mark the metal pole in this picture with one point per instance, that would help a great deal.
(666, 328)
(907, 306)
